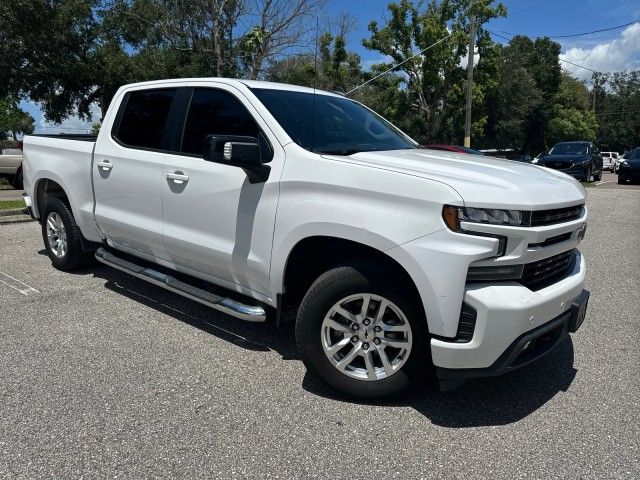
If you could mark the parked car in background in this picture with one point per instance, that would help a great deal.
(11, 165)
(581, 160)
(608, 159)
(629, 169)
(618, 161)
(453, 148)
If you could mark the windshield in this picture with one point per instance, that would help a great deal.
(635, 154)
(569, 149)
(329, 124)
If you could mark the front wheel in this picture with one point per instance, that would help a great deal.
(598, 177)
(361, 335)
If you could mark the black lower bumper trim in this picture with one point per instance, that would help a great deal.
(527, 348)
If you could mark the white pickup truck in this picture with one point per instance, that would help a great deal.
(265, 200)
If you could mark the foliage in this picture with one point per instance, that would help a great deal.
(68, 55)
(617, 108)
(571, 117)
(435, 79)
(13, 120)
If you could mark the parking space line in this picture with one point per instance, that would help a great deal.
(602, 183)
(23, 288)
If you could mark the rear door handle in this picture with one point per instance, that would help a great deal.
(104, 165)
(178, 177)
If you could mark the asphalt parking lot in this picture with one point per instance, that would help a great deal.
(104, 376)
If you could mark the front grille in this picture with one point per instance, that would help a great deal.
(557, 215)
(540, 274)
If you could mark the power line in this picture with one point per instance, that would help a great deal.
(401, 63)
(576, 65)
(584, 33)
(561, 59)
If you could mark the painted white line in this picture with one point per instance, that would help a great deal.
(602, 183)
(23, 288)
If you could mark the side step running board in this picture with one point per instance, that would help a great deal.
(249, 313)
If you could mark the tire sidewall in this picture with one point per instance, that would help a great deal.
(69, 260)
(334, 286)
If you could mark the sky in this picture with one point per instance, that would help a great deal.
(610, 51)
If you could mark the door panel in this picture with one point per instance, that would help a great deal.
(218, 223)
(128, 198)
(215, 221)
(127, 172)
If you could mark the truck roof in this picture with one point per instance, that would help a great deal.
(237, 82)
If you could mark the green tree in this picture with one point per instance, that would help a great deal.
(47, 48)
(435, 78)
(616, 111)
(571, 118)
(13, 120)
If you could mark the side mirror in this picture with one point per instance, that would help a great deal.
(234, 150)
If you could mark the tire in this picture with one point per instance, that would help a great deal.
(403, 313)
(598, 177)
(589, 175)
(62, 238)
(17, 180)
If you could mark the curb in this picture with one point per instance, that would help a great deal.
(13, 211)
(6, 219)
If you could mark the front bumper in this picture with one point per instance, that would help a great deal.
(625, 174)
(505, 312)
(527, 348)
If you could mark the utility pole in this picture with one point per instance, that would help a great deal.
(472, 46)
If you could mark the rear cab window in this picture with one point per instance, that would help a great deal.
(143, 117)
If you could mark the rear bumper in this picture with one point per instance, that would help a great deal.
(505, 313)
(527, 348)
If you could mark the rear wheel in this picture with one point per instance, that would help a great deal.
(598, 177)
(62, 237)
(361, 335)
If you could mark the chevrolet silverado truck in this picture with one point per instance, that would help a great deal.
(271, 201)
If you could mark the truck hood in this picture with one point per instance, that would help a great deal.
(483, 181)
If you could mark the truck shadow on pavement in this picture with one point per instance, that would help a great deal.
(483, 402)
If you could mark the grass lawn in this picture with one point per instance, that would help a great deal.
(9, 204)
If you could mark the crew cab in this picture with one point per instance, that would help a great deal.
(271, 201)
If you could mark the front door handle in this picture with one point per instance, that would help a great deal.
(178, 177)
(105, 165)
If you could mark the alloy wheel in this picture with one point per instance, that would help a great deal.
(366, 336)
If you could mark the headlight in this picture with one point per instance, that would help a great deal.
(454, 215)
(625, 165)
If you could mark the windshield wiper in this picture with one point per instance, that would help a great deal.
(345, 151)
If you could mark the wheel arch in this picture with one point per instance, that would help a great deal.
(319, 253)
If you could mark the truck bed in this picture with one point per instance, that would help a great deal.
(83, 137)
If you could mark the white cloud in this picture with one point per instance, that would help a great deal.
(72, 124)
(622, 53)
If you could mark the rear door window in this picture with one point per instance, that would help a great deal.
(215, 112)
(144, 118)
